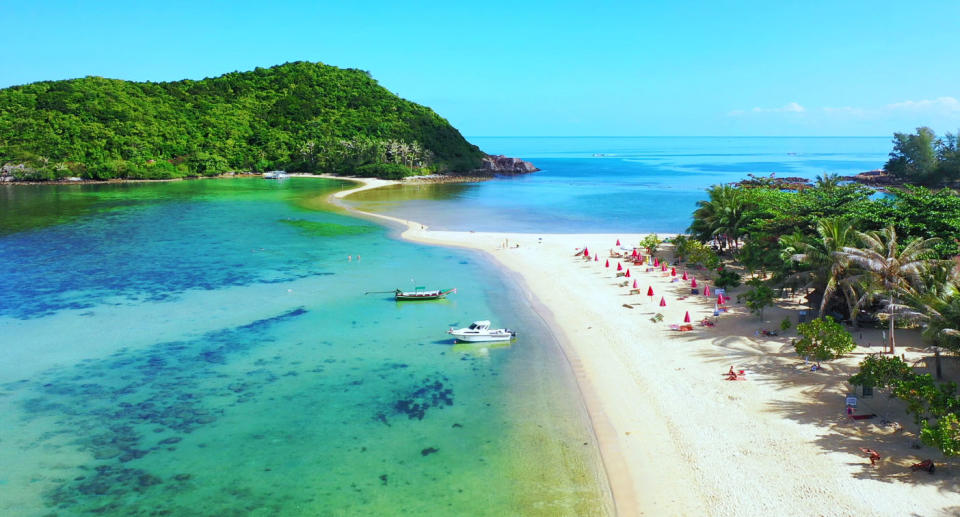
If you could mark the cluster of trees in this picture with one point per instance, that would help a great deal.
(934, 405)
(923, 159)
(299, 116)
(861, 257)
(893, 261)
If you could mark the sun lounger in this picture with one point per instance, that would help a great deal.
(863, 417)
(635, 291)
(707, 323)
(926, 465)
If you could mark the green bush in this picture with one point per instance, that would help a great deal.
(387, 171)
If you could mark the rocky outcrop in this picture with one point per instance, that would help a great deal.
(500, 164)
(876, 178)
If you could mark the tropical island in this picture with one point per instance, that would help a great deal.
(300, 116)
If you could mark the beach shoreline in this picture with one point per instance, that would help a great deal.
(675, 437)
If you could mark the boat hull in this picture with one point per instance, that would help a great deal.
(421, 295)
(483, 338)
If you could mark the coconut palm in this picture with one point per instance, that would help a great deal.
(823, 254)
(723, 215)
(888, 274)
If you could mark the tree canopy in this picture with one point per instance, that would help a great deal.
(298, 116)
(923, 159)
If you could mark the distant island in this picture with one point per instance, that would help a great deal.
(301, 116)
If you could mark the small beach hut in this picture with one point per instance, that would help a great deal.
(663, 301)
(686, 317)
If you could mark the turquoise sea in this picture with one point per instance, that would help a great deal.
(208, 348)
(607, 184)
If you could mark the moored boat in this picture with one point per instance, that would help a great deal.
(274, 175)
(480, 331)
(419, 293)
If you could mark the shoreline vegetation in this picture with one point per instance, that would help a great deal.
(676, 436)
(300, 116)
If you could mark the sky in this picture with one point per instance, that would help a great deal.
(494, 68)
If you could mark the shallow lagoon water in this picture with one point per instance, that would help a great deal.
(610, 184)
(206, 348)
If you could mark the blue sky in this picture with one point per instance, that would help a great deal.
(544, 68)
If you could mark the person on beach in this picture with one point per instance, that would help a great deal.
(872, 454)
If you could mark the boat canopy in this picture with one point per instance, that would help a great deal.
(480, 325)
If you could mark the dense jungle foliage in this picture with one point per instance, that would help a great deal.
(302, 116)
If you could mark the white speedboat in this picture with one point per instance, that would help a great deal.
(480, 331)
(274, 175)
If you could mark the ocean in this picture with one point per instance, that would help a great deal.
(609, 184)
(226, 347)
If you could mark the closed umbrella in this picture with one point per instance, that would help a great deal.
(618, 242)
(663, 267)
(586, 252)
(684, 275)
(596, 258)
(628, 273)
(673, 271)
(706, 291)
(686, 317)
(720, 299)
(656, 262)
(619, 267)
(663, 301)
(693, 283)
(607, 264)
(634, 284)
(650, 291)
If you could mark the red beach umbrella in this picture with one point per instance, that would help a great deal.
(706, 291)
(673, 271)
(618, 242)
(628, 273)
(586, 252)
(608, 263)
(684, 275)
(650, 291)
(634, 284)
(634, 253)
(720, 299)
(656, 262)
(663, 301)
(619, 267)
(686, 317)
(693, 283)
(596, 258)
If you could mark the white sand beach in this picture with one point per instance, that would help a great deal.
(676, 437)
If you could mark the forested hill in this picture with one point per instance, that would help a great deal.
(298, 116)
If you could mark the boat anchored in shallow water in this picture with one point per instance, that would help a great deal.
(419, 293)
(480, 332)
(274, 175)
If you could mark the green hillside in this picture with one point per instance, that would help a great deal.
(306, 117)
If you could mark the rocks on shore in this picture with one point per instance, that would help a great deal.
(501, 164)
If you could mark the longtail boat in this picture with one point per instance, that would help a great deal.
(420, 293)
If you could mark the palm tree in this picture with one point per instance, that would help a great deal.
(940, 305)
(889, 274)
(723, 215)
(828, 181)
(824, 255)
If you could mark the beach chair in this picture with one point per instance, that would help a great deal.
(686, 327)
(926, 465)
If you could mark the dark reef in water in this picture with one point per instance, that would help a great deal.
(109, 405)
(431, 393)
